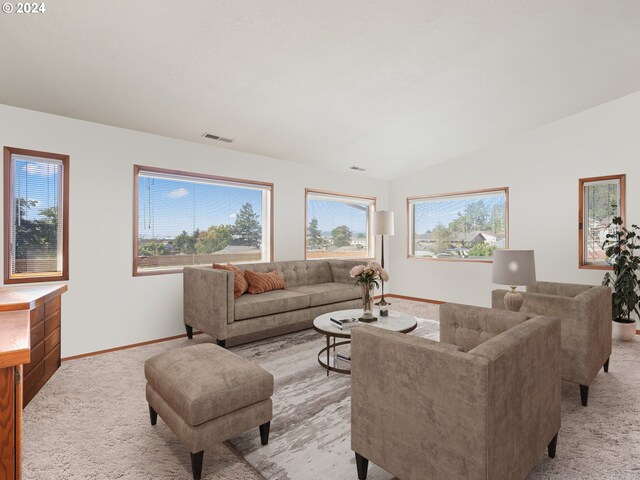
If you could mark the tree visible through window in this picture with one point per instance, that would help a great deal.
(601, 199)
(338, 225)
(36, 188)
(462, 226)
(191, 219)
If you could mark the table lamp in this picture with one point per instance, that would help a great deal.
(382, 225)
(513, 268)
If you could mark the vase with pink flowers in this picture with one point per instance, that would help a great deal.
(368, 277)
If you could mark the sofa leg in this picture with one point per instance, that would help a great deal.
(196, 464)
(264, 432)
(584, 394)
(551, 448)
(189, 331)
(362, 464)
(222, 343)
(153, 415)
(606, 366)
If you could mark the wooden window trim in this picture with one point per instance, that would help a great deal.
(370, 235)
(505, 190)
(8, 152)
(142, 168)
(622, 178)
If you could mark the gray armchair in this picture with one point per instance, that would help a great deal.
(483, 405)
(585, 313)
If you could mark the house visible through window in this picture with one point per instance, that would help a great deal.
(194, 219)
(459, 226)
(338, 225)
(601, 199)
(36, 211)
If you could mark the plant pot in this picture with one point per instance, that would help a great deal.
(624, 331)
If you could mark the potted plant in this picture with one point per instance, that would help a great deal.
(368, 276)
(620, 247)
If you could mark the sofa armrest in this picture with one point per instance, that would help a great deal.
(411, 393)
(208, 300)
(468, 326)
(524, 394)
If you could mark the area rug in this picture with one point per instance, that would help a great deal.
(91, 421)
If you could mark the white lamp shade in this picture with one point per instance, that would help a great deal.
(513, 267)
(382, 223)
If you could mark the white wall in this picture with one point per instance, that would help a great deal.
(106, 306)
(541, 168)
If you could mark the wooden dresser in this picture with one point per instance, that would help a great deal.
(43, 304)
(14, 353)
(30, 325)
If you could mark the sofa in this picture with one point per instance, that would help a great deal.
(482, 403)
(585, 314)
(313, 287)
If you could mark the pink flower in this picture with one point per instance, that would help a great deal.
(384, 275)
(357, 270)
(375, 266)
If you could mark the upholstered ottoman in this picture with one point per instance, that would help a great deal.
(207, 395)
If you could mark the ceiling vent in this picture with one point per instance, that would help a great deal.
(357, 169)
(211, 136)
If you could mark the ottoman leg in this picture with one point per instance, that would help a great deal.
(153, 415)
(196, 464)
(264, 432)
(189, 329)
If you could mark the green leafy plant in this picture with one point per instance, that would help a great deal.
(620, 247)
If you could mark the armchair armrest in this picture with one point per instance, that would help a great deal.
(469, 326)
(208, 300)
(404, 397)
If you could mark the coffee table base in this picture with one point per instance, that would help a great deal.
(326, 356)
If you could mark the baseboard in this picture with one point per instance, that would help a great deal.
(415, 299)
(125, 347)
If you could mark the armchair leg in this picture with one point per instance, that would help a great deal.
(606, 366)
(221, 343)
(584, 394)
(264, 433)
(153, 415)
(196, 464)
(362, 464)
(551, 448)
(189, 329)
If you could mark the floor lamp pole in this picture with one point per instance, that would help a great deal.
(383, 304)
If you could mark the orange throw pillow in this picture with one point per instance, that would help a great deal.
(264, 282)
(240, 284)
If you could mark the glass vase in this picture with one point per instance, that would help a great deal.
(367, 304)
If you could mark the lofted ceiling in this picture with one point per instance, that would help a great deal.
(390, 86)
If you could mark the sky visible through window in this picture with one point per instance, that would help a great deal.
(331, 214)
(167, 207)
(38, 184)
(436, 211)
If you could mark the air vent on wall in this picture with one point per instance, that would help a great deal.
(211, 136)
(357, 169)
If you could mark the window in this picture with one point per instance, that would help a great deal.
(192, 219)
(465, 226)
(36, 192)
(601, 199)
(338, 225)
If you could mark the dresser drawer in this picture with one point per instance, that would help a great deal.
(37, 356)
(31, 381)
(37, 315)
(52, 341)
(52, 306)
(51, 363)
(51, 323)
(37, 333)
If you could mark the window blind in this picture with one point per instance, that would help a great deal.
(36, 223)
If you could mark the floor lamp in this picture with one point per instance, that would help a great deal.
(383, 225)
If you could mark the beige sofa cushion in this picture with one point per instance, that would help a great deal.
(326, 293)
(276, 301)
(203, 382)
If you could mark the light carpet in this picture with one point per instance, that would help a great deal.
(91, 421)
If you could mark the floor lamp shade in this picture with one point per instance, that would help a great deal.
(382, 223)
(513, 267)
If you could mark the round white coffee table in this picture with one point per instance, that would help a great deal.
(395, 321)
